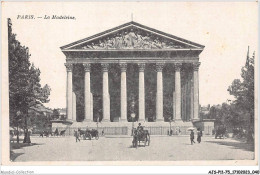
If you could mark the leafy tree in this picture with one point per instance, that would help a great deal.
(56, 114)
(243, 91)
(25, 90)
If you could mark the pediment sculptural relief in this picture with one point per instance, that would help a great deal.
(132, 39)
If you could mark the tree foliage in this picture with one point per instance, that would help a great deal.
(243, 90)
(239, 113)
(25, 90)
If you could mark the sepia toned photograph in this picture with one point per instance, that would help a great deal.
(155, 83)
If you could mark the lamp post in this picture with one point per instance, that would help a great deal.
(170, 132)
(133, 117)
(97, 122)
(133, 113)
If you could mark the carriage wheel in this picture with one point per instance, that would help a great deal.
(97, 137)
(90, 136)
(145, 140)
(84, 137)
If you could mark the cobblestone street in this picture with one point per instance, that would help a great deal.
(120, 148)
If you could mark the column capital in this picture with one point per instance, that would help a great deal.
(177, 66)
(159, 67)
(68, 66)
(196, 66)
(141, 67)
(105, 67)
(87, 67)
(123, 67)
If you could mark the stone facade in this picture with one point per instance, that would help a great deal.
(133, 43)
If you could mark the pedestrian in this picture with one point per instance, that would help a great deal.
(76, 134)
(41, 134)
(192, 137)
(199, 133)
(177, 130)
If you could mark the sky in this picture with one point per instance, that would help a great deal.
(226, 29)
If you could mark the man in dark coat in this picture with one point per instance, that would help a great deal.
(76, 134)
(199, 135)
(192, 137)
(139, 127)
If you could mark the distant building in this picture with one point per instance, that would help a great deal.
(62, 113)
(40, 117)
(40, 109)
(204, 112)
(205, 109)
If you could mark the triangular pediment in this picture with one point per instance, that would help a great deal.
(132, 36)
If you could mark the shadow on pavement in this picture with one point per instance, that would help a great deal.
(13, 155)
(21, 145)
(235, 145)
(140, 146)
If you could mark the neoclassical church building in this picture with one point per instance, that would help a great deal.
(132, 73)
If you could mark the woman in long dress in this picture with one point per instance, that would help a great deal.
(199, 135)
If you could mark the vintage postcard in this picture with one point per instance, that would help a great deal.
(129, 83)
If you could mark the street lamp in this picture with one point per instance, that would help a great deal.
(132, 114)
(97, 122)
(133, 117)
(170, 132)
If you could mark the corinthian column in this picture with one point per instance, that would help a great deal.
(74, 106)
(123, 67)
(141, 92)
(177, 67)
(87, 93)
(69, 91)
(159, 94)
(196, 90)
(106, 97)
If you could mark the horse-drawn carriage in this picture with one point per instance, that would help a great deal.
(89, 134)
(48, 133)
(140, 135)
(220, 132)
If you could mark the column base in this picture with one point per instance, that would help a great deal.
(178, 121)
(123, 120)
(160, 120)
(88, 120)
(70, 121)
(105, 120)
(195, 120)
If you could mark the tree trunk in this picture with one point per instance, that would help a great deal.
(26, 133)
(17, 137)
(250, 131)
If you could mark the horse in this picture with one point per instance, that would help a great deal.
(56, 132)
(94, 133)
(62, 133)
(82, 134)
(140, 135)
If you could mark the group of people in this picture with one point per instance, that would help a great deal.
(192, 137)
(177, 131)
(78, 133)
